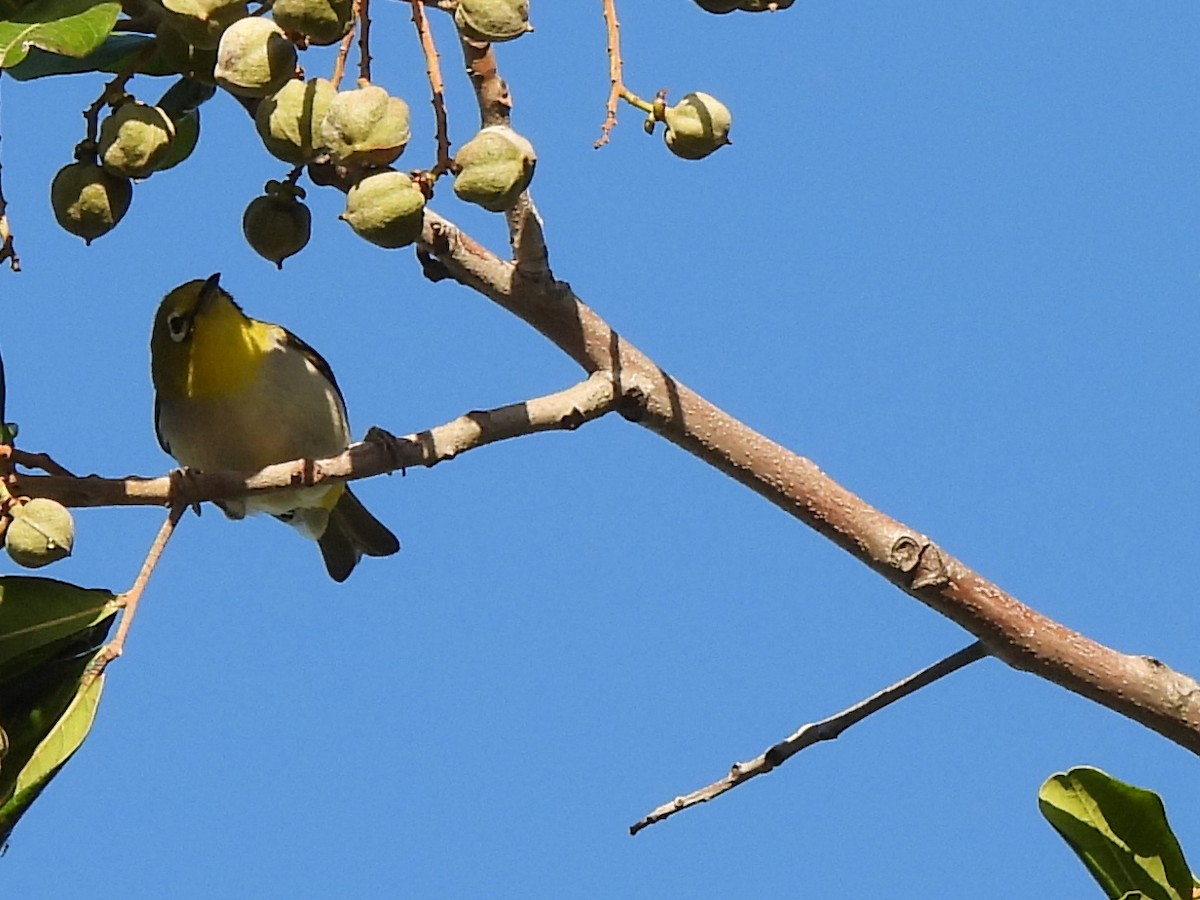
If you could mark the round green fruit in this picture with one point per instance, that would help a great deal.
(202, 22)
(289, 120)
(255, 58)
(493, 168)
(40, 533)
(365, 127)
(490, 21)
(697, 126)
(135, 139)
(277, 225)
(386, 208)
(89, 202)
(320, 21)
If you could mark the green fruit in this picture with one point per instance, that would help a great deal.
(201, 22)
(365, 127)
(289, 120)
(492, 20)
(320, 21)
(386, 208)
(40, 533)
(254, 58)
(277, 225)
(183, 57)
(87, 201)
(135, 139)
(697, 126)
(493, 168)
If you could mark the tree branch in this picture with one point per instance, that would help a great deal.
(378, 454)
(1139, 687)
(130, 600)
(815, 732)
(433, 71)
(612, 28)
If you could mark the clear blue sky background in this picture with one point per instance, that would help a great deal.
(953, 256)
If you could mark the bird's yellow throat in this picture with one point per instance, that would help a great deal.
(219, 357)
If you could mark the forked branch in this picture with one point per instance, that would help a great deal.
(1139, 687)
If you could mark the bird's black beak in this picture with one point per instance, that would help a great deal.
(209, 289)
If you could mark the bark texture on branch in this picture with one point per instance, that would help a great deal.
(1139, 687)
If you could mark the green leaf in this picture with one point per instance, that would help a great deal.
(66, 734)
(1119, 831)
(39, 612)
(14, 672)
(113, 55)
(70, 27)
(46, 719)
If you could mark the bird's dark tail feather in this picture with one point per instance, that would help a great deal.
(353, 532)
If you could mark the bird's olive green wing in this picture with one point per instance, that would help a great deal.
(158, 432)
(318, 362)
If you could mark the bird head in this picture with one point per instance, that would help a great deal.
(196, 317)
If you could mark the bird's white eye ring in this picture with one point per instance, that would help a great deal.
(178, 326)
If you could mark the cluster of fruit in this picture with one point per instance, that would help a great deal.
(362, 131)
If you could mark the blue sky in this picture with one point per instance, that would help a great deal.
(953, 256)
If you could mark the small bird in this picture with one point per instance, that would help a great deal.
(234, 393)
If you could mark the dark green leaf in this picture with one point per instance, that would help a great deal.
(37, 612)
(76, 644)
(184, 96)
(113, 55)
(1119, 831)
(46, 717)
(69, 27)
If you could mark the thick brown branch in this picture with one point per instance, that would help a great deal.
(813, 733)
(380, 453)
(1144, 689)
(491, 92)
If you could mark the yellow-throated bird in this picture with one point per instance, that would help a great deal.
(234, 393)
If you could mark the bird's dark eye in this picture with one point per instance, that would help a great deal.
(178, 326)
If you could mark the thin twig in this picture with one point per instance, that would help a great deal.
(29, 460)
(339, 63)
(7, 249)
(613, 27)
(381, 452)
(113, 91)
(131, 598)
(815, 732)
(364, 39)
(437, 87)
